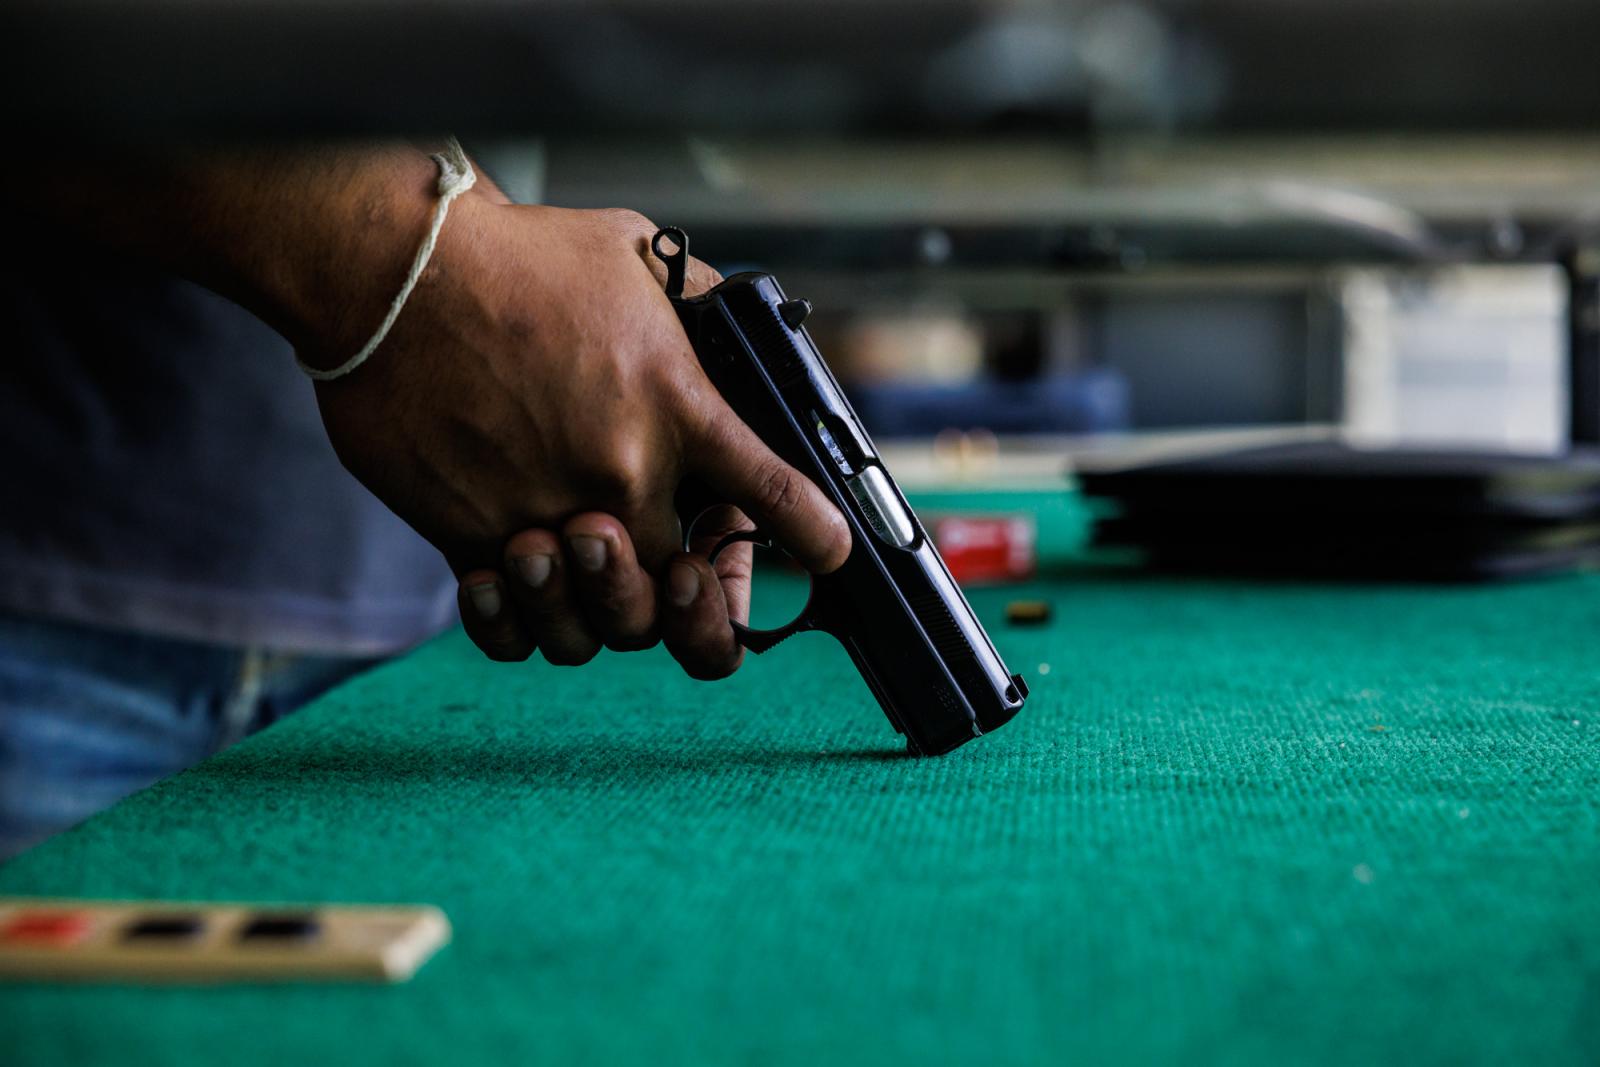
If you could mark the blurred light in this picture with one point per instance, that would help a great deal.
(1019, 63)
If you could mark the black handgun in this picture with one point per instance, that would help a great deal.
(893, 604)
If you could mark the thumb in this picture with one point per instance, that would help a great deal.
(735, 463)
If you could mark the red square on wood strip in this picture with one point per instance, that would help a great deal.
(46, 927)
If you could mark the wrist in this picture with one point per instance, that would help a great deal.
(457, 177)
(350, 258)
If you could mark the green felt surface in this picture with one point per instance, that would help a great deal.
(1196, 844)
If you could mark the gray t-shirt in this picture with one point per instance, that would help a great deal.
(163, 469)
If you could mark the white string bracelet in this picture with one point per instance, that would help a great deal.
(455, 177)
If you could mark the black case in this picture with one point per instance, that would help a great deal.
(1327, 509)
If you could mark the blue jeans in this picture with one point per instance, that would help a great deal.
(88, 716)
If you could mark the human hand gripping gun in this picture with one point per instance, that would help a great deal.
(893, 604)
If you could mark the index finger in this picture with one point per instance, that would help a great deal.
(738, 465)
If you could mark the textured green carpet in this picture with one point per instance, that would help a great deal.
(1235, 824)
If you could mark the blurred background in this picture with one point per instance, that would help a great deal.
(1057, 223)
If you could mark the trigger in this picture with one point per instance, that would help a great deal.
(692, 501)
(757, 537)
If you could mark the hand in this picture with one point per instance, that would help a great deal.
(539, 381)
(537, 378)
(595, 594)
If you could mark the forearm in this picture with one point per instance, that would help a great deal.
(315, 240)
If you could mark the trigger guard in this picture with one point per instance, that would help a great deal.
(758, 641)
(687, 528)
(755, 537)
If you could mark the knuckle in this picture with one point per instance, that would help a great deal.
(630, 222)
(622, 470)
(779, 490)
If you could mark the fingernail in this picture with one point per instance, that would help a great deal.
(485, 599)
(683, 584)
(534, 570)
(590, 550)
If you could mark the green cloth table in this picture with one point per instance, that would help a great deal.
(1235, 823)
